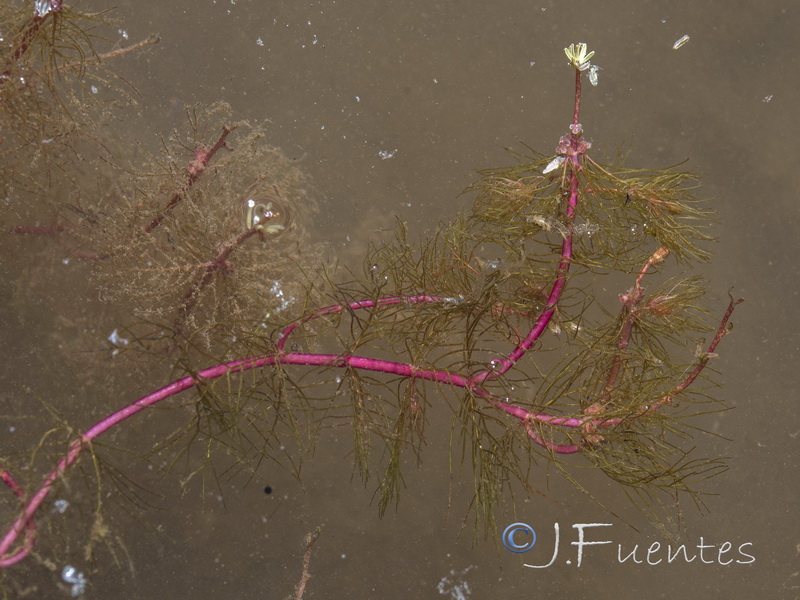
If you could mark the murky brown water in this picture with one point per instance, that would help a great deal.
(391, 106)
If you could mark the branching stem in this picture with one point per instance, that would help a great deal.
(29, 31)
(630, 303)
(26, 521)
(202, 157)
(577, 151)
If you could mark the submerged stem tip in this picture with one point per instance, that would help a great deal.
(578, 56)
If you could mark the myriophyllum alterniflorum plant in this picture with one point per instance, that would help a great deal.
(441, 321)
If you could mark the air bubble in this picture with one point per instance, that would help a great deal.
(115, 339)
(587, 229)
(42, 8)
(265, 210)
(277, 292)
(77, 580)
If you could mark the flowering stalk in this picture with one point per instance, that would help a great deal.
(573, 147)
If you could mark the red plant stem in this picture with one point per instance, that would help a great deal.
(152, 39)
(502, 365)
(630, 303)
(467, 383)
(30, 526)
(38, 229)
(195, 169)
(31, 29)
(305, 577)
(217, 263)
(703, 359)
(553, 447)
(722, 331)
(337, 308)
(26, 521)
(202, 156)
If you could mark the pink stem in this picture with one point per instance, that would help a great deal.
(630, 304)
(337, 308)
(576, 113)
(26, 521)
(206, 275)
(31, 29)
(502, 365)
(202, 157)
(38, 229)
(30, 527)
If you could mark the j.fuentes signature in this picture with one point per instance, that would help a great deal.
(521, 537)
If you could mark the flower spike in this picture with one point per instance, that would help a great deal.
(578, 57)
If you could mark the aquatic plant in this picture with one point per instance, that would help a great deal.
(498, 313)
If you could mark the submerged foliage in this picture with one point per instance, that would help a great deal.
(56, 95)
(185, 247)
(504, 313)
(488, 275)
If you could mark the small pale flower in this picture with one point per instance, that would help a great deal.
(578, 56)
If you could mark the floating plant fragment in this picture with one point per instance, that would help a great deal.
(680, 42)
(593, 78)
(553, 165)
